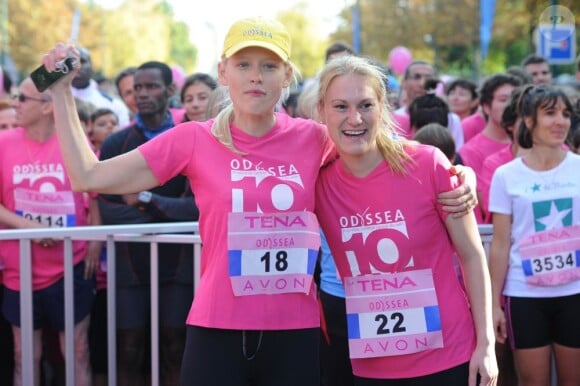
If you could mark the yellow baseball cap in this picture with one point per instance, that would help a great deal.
(258, 32)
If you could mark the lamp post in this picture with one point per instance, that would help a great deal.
(4, 50)
(355, 12)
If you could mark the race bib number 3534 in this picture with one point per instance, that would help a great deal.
(551, 257)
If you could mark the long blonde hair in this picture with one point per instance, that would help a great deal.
(221, 127)
(389, 143)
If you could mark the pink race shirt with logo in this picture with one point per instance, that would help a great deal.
(387, 233)
(256, 220)
(35, 186)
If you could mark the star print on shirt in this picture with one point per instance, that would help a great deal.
(552, 214)
(536, 188)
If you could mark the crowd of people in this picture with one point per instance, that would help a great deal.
(339, 219)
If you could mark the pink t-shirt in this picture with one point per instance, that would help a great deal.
(177, 115)
(473, 154)
(403, 124)
(34, 185)
(276, 176)
(472, 125)
(491, 163)
(387, 222)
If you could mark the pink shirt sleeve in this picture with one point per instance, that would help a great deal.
(170, 153)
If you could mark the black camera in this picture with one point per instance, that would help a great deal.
(43, 79)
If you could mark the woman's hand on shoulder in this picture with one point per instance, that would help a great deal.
(463, 199)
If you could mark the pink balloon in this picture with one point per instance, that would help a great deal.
(178, 76)
(399, 58)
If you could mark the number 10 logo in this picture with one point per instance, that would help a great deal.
(378, 249)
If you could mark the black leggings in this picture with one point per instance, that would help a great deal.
(455, 376)
(335, 366)
(217, 357)
(6, 347)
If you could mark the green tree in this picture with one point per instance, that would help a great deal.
(429, 28)
(446, 32)
(307, 45)
(182, 51)
(134, 32)
(34, 27)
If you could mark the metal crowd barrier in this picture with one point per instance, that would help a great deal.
(148, 233)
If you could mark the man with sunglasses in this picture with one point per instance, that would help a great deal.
(413, 86)
(35, 192)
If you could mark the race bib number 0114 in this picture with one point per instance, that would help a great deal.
(50, 209)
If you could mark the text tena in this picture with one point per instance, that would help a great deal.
(550, 235)
(381, 284)
(275, 222)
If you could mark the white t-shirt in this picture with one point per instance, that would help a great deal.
(537, 201)
(92, 95)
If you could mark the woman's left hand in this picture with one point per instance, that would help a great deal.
(484, 364)
(463, 199)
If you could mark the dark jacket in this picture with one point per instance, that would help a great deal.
(172, 202)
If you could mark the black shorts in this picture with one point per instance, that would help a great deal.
(455, 376)
(539, 322)
(216, 357)
(48, 303)
(134, 305)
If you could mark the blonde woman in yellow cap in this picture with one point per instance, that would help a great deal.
(255, 319)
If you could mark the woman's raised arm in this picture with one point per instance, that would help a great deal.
(127, 173)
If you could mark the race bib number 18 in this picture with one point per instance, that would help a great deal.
(272, 253)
